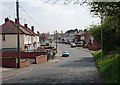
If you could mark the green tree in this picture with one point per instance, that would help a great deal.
(95, 30)
(110, 15)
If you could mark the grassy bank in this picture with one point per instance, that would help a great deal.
(108, 66)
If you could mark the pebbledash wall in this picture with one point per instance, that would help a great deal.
(11, 41)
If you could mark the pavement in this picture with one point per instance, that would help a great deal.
(3, 69)
(9, 72)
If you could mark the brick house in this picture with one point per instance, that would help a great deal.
(85, 39)
(79, 38)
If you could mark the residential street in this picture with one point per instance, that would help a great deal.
(79, 67)
(55, 42)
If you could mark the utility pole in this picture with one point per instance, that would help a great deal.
(56, 41)
(18, 40)
(101, 36)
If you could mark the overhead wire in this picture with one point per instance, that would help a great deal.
(31, 18)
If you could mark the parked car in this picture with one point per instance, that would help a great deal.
(42, 44)
(65, 54)
(79, 44)
(73, 45)
(46, 44)
(67, 42)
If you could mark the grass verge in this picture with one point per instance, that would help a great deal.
(108, 66)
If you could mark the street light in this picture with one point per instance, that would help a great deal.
(56, 41)
(101, 36)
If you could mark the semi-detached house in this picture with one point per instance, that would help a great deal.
(8, 34)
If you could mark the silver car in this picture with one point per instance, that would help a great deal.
(65, 54)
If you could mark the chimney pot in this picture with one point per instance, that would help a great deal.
(25, 25)
(38, 32)
(16, 20)
(6, 19)
(32, 27)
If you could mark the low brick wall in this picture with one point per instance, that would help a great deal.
(12, 62)
(41, 59)
(31, 55)
(24, 63)
(94, 48)
(9, 62)
(23, 54)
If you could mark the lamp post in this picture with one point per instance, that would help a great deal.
(18, 40)
(56, 41)
(101, 36)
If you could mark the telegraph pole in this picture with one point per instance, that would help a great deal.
(18, 40)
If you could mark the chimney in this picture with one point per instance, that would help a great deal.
(6, 19)
(25, 25)
(32, 27)
(38, 32)
(15, 20)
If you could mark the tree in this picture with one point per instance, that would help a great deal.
(95, 30)
(110, 13)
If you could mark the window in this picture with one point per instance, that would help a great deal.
(3, 37)
(82, 38)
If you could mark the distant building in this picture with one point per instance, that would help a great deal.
(69, 36)
(50, 38)
(43, 37)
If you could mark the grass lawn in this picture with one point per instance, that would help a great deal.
(108, 66)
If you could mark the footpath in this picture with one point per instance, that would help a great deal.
(4, 69)
(6, 73)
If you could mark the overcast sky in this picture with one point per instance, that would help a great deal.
(47, 17)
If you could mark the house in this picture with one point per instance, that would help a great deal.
(34, 38)
(87, 36)
(8, 35)
(68, 36)
(80, 38)
(85, 39)
(43, 37)
(50, 38)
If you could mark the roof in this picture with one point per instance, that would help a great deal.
(29, 30)
(87, 35)
(10, 27)
(80, 33)
(43, 35)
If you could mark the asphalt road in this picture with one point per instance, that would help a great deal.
(79, 67)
